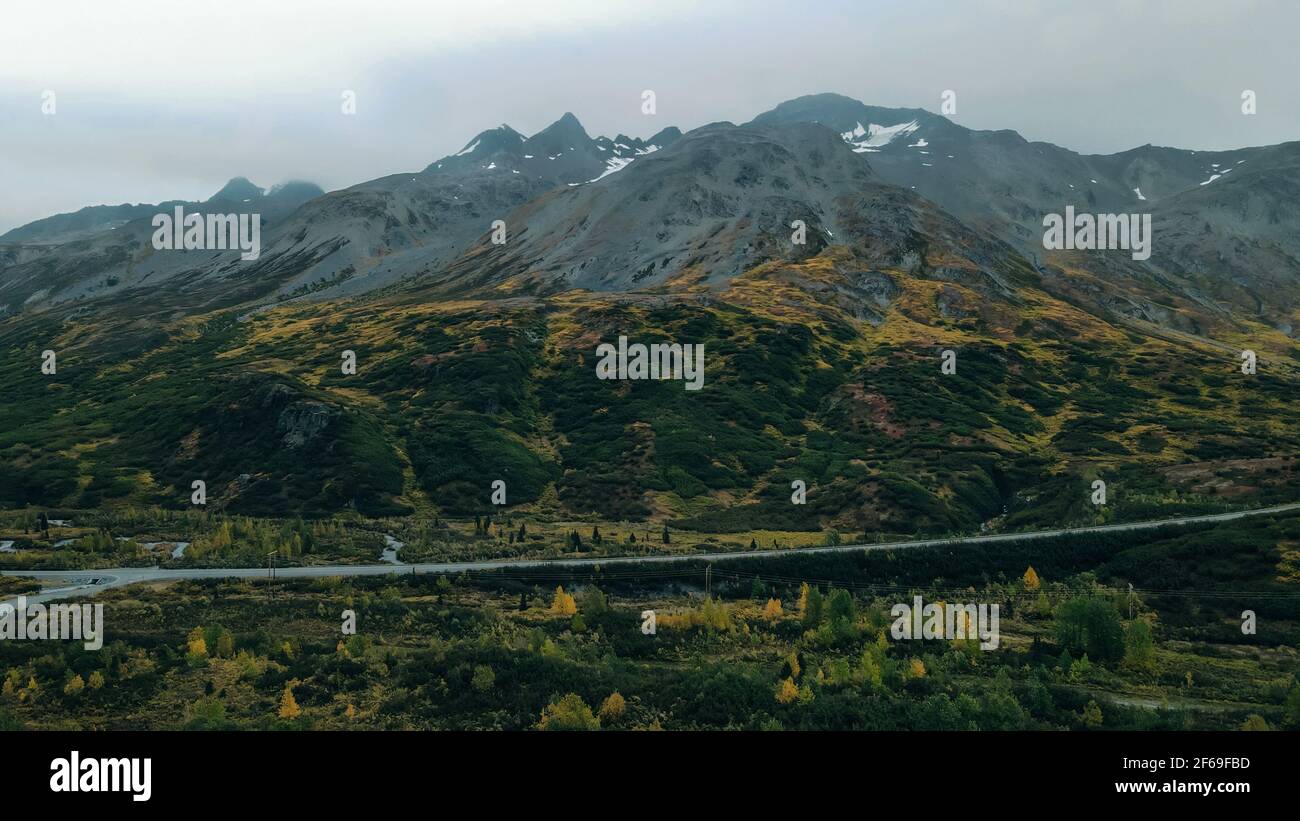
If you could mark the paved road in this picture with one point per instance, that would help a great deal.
(77, 582)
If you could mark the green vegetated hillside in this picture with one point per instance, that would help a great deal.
(820, 370)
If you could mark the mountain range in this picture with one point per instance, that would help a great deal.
(475, 357)
(641, 210)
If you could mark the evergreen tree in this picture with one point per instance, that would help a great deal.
(842, 608)
(812, 615)
(1065, 662)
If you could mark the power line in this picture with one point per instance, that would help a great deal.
(874, 588)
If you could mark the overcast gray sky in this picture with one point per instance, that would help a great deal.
(157, 99)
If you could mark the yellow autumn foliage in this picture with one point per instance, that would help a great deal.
(563, 604)
(1032, 582)
(787, 692)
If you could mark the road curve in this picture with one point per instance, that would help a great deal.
(91, 581)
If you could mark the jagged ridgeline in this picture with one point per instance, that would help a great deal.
(476, 359)
(821, 370)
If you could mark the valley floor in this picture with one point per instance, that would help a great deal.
(1114, 627)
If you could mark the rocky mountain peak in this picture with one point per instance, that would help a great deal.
(237, 189)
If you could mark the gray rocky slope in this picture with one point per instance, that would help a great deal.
(624, 213)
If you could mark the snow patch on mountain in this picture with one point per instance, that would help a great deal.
(875, 137)
(613, 164)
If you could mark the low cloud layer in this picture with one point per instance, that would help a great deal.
(163, 101)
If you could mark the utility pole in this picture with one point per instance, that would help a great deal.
(270, 572)
(708, 571)
(1130, 601)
